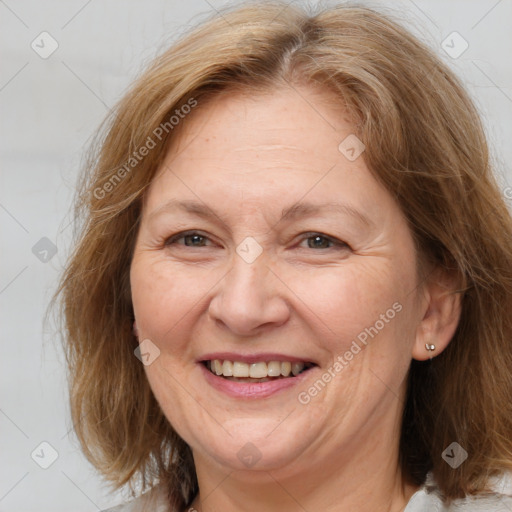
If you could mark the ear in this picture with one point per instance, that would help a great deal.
(440, 309)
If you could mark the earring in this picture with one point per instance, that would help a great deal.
(430, 347)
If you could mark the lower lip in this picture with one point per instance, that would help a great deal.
(251, 389)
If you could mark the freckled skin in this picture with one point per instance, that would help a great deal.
(247, 158)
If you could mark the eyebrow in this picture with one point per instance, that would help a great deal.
(296, 211)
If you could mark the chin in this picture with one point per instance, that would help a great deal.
(255, 444)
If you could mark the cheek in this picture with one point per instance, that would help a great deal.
(379, 318)
(366, 318)
(342, 301)
(163, 296)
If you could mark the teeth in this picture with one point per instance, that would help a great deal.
(217, 367)
(259, 370)
(240, 369)
(227, 368)
(297, 368)
(274, 369)
(286, 369)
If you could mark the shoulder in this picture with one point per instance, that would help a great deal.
(427, 499)
(154, 500)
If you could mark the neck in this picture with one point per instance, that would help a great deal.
(331, 495)
(363, 476)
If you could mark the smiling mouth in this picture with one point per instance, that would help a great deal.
(239, 371)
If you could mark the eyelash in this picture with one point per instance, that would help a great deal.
(306, 236)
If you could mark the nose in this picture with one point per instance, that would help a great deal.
(250, 298)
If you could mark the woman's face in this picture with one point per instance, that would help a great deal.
(331, 283)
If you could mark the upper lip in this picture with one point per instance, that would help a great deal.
(253, 358)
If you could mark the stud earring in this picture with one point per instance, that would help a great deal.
(430, 347)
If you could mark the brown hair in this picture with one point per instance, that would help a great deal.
(424, 141)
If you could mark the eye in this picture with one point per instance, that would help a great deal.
(314, 240)
(321, 241)
(190, 238)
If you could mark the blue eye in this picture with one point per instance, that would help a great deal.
(319, 241)
(314, 240)
(191, 239)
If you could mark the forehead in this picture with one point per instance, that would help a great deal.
(273, 147)
(277, 116)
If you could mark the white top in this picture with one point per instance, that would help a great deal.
(425, 499)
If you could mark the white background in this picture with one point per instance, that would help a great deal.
(49, 110)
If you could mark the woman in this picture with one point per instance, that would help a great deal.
(293, 286)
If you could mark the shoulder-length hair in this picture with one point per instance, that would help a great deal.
(424, 141)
